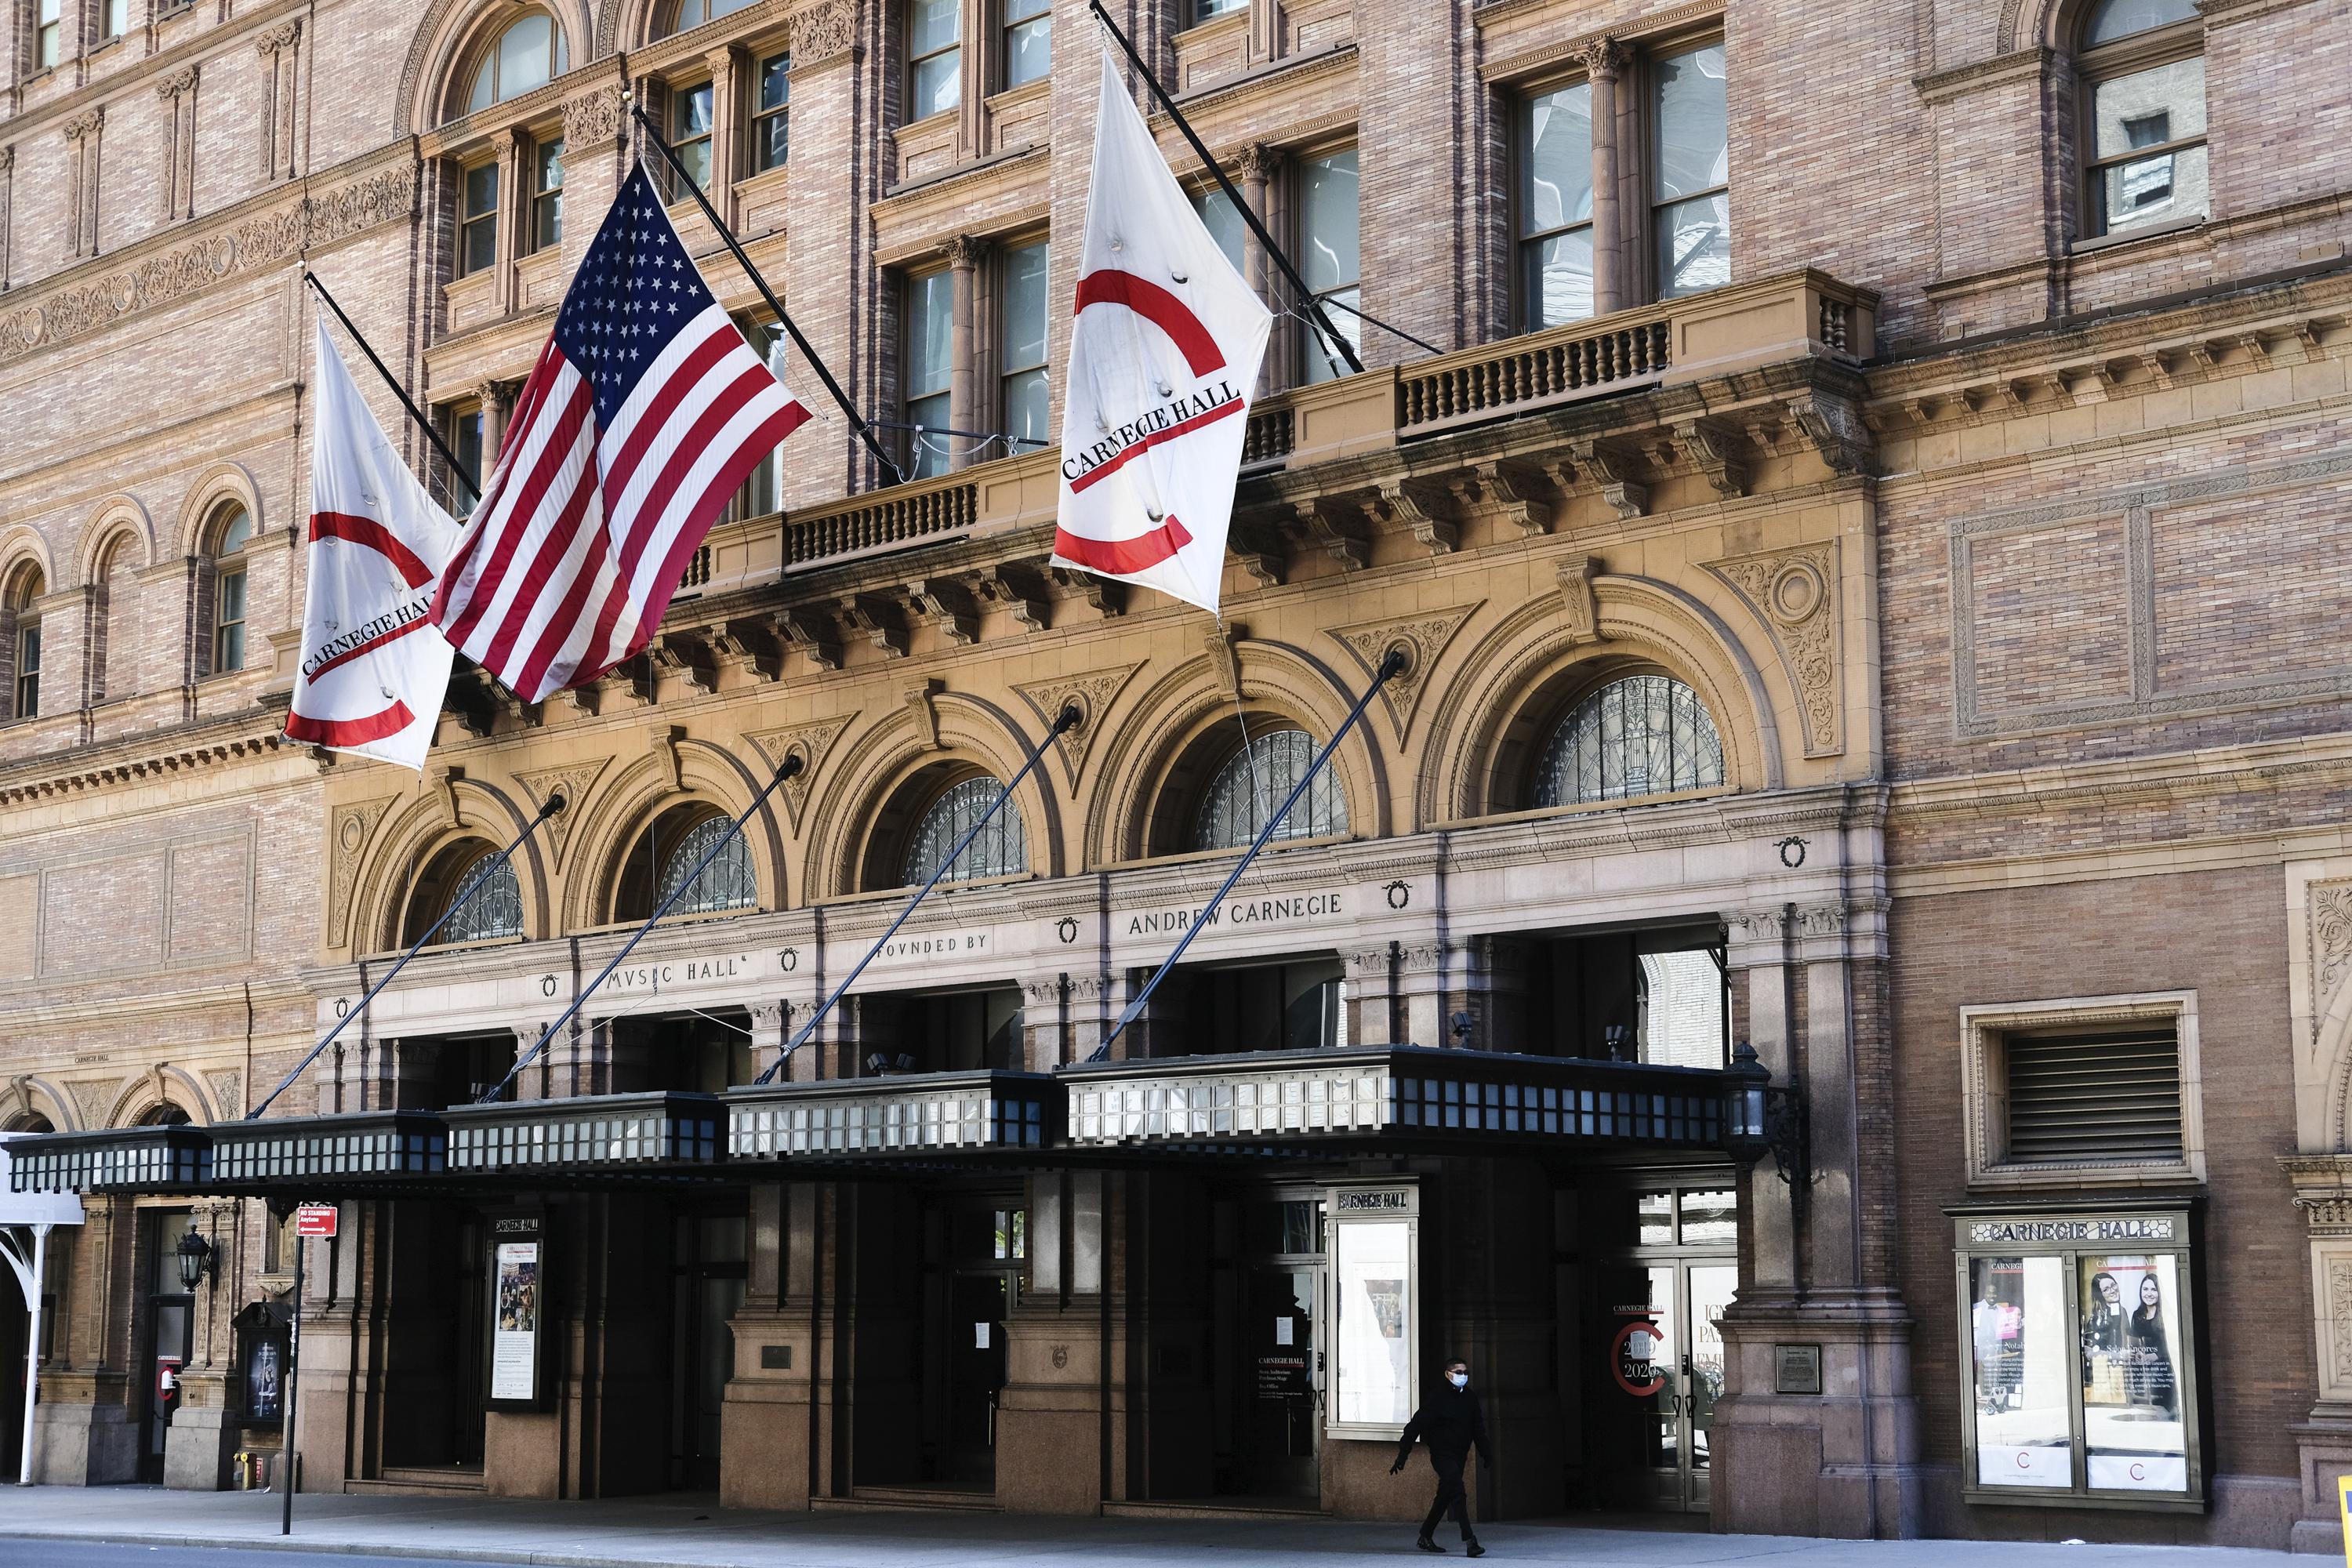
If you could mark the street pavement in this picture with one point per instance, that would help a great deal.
(109, 1527)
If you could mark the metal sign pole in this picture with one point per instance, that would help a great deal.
(33, 1345)
(293, 1383)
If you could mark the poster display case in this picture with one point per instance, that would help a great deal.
(1376, 1302)
(2078, 1343)
(517, 1301)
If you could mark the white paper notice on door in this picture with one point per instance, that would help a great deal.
(1281, 1331)
(514, 1322)
(979, 1336)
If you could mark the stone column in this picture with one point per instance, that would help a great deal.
(964, 345)
(514, 215)
(1604, 63)
(203, 1428)
(81, 134)
(8, 199)
(2323, 1191)
(1258, 164)
(497, 406)
(727, 71)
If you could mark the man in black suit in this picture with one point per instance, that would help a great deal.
(1449, 1426)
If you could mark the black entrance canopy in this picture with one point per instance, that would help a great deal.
(1281, 1104)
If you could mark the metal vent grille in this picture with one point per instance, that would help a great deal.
(2100, 1097)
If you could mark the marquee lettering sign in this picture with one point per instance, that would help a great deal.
(2127, 1227)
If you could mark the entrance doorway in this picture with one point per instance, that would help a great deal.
(1271, 1360)
(987, 1249)
(1655, 1367)
(169, 1339)
(709, 1277)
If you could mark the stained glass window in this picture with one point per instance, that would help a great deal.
(492, 909)
(1643, 734)
(1001, 850)
(1249, 789)
(727, 883)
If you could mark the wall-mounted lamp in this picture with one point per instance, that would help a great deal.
(194, 1256)
(1761, 1117)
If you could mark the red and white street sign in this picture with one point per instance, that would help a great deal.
(315, 1219)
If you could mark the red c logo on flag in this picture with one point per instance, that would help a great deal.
(1158, 306)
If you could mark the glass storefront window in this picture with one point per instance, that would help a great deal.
(2078, 1341)
(1654, 1219)
(1375, 1380)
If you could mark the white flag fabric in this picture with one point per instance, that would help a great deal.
(1163, 360)
(374, 667)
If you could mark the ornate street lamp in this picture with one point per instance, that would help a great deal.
(1760, 1119)
(196, 1259)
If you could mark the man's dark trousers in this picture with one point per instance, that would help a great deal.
(1452, 1494)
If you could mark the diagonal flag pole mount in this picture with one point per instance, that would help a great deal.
(808, 352)
(472, 479)
(1391, 668)
(790, 765)
(1068, 719)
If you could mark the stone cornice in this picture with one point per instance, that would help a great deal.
(2123, 781)
(261, 231)
(1569, 50)
(1289, 72)
(139, 757)
(245, 24)
(1959, 81)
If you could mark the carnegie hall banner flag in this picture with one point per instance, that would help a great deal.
(1163, 360)
(373, 668)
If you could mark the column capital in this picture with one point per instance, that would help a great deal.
(279, 38)
(1602, 57)
(177, 85)
(965, 251)
(84, 124)
(1258, 161)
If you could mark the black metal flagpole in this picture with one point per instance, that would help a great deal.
(554, 804)
(473, 481)
(1068, 719)
(1322, 323)
(790, 765)
(1391, 667)
(864, 430)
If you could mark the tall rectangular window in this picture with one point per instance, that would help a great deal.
(465, 436)
(1020, 345)
(1690, 173)
(930, 333)
(114, 18)
(29, 666)
(689, 133)
(1330, 256)
(228, 620)
(547, 193)
(1028, 40)
(478, 224)
(47, 28)
(1204, 9)
(2148, 146)
(1224, 221)
(934, 57)
(758, 496)
(772, 119)
(1555, 206)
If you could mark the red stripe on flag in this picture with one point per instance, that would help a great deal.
(647, 425)
(368, 531)
(570, 606)
(1158, 306)
(560, 536)
(1123, 556)
(642, 529)
(1183, 427)
(391, 721)
(534, 392)
(513, 522)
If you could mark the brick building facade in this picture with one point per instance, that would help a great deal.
(1860, 515)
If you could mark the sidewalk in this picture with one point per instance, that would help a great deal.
(688, 1533)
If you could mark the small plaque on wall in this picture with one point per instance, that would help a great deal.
(1796, 1369)
(775, 1358)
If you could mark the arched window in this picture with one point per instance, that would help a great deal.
(689, 14)
(1001, 850)
(31, 1121)
(164, 1115)
(491, 911)
(231, 532)
(528, 54)
(1250, 787)
(2142, 69)
(727, 883)
(20, 639)
(1641, 734)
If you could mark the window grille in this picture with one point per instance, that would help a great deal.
(1001, 850)
(2111, 1096)
(1646, 734)
(727, 883)
(494, 910)
(1249, 789)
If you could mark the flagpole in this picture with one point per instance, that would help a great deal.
(1323, 323)
(864, 430)
(791, 764)
(472, 479)
(554, 804)
(1068, 719)
(1391, 667)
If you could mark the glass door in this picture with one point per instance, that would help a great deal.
(171, 1321)
(1276, 1363)
(990, 1247)
(1656, 1379)
(709, 1277)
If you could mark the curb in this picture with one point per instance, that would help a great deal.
(356, 1549)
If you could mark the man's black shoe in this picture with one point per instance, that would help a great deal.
(1471, 1549)
(1426, 1545)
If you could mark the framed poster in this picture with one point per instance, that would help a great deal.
(1376, 1302)
(518, 1286)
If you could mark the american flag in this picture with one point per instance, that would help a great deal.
(645, 411)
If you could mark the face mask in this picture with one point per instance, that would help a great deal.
(1458, 1379)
